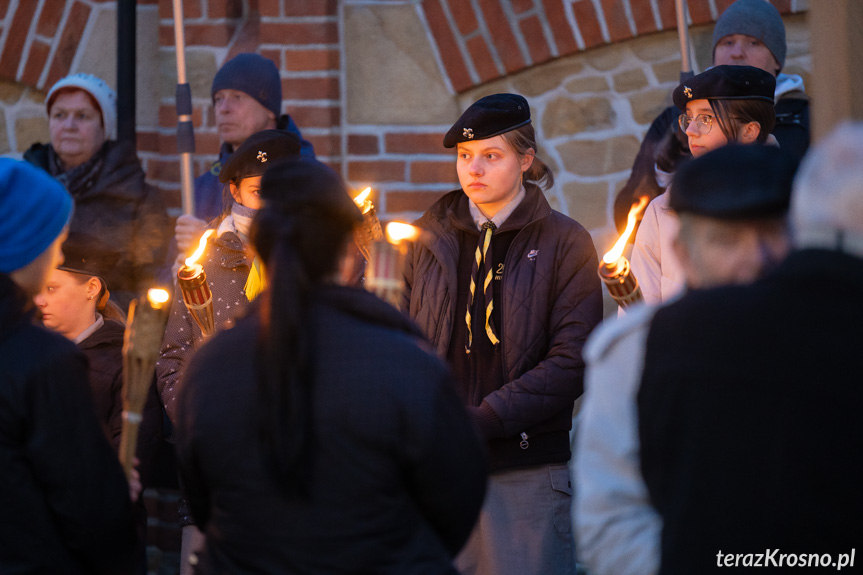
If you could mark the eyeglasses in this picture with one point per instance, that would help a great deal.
(703, 122)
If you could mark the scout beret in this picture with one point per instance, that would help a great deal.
(89, 255)
(735, 182)
(259, 152)
(488, 117)
(726, 83)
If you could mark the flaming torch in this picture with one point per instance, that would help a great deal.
(614, 270)
(370, 230)
(385, 276)
(144, 330)
(196, 291)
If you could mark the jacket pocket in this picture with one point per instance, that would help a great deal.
(561, 497)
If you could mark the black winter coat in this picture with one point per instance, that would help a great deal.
(749, 417)
(64, 501)
(125, 213)
(551, 300)
(399, 472)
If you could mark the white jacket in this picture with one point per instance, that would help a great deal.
(654, 264)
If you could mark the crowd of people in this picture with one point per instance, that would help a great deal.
(319, 429)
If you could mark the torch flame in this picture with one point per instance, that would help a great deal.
(157, 297)
(201, 245)
(398, 232)
(362, 200)
(612, 256)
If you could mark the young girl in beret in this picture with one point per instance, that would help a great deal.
(506, 289)
(723, 105)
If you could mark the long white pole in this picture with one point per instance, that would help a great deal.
(185, 131)
(683, 35)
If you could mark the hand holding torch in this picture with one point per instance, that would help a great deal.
(385, 275)
(614, 270)
(370, 230)
(144, 330)
(196, 291)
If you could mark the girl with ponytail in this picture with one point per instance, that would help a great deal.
(318, 435)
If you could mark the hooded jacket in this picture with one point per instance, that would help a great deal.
(551, 300)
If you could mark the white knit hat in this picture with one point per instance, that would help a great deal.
(96, 87)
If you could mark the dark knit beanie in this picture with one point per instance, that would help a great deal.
(256, 76)
(756, 18)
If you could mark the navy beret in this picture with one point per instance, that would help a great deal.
(735, 182)
(488, 117)
(87, 254)
(726, 83)
(259, 152)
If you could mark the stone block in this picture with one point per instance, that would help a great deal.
(201, 67)
(701, 38)
(667, 72)
(29, 130)
(629, 81)
(546, 77)
(10, 92)
(392, 77)
(565, 116)
(587, 203)
(655, 47)
(587, 84)
(648, 104)
(606, 58)
(599, 157)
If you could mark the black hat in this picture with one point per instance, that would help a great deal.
(259, 152)
(727, 83)
(489, 117)
(735, 182)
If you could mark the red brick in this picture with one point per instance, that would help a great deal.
(298, 34)
(502, 35)
(419, 201)
(310, 88)
(163, 170)
(36, 59)
(311, 7)
(784, 6)
(377, 171)
(363, 145)
(531, 29)
(18, 29)
(433, 172)
(270, 7)
(699, 11)
(449, 52)
(67, 47)
(615, 20)
(208, 34)
(4, 6)
(721, 5)
(326, 145)
(49, 20)
(224, 9)
(463, 15)
(274, 55)
(315, 116)
(560, 27)
(519, 6)
(191, 9)
(668, 15)
(147, 141)
(248, 38)
(642, 13)
(481, 58)
(588, 25)
(168, 116)
(205, 143)
(414, 144)
(311, 60)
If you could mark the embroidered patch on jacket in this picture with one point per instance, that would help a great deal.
(531, 255)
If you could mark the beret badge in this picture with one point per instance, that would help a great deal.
(262, 156)
(688, 91)
(467, 133)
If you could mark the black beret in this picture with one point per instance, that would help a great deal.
(735, 182)
(259, 152)
(727, 83)
(489, 117)
(89, 255)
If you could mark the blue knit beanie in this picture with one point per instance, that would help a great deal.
(756, 18)
(34, 209)
(256, 76)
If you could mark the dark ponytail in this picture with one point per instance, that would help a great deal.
(524, 139)
(300, 234)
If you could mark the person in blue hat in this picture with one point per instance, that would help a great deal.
(506, 289)
(64, 498)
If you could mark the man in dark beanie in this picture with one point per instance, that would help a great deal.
(247, 98)
(732, 204)
(748, 33)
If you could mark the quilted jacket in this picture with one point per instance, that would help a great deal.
(551, 300)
